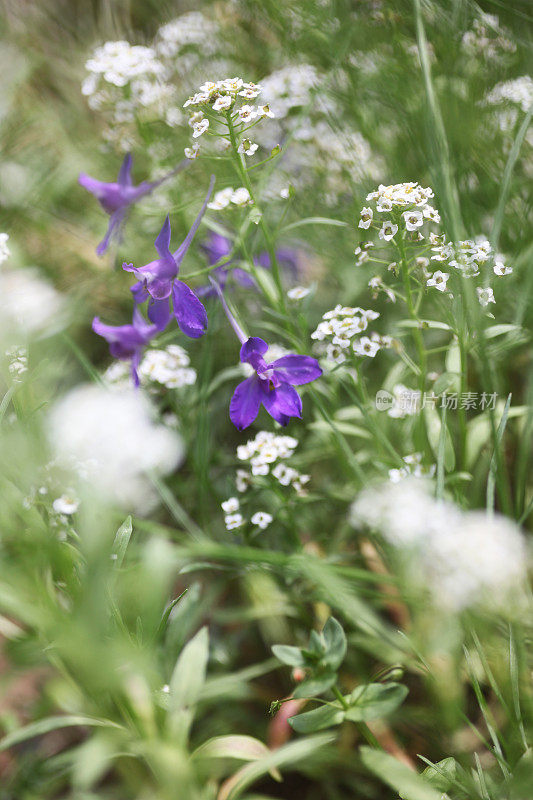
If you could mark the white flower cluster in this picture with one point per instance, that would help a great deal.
(405, 402)
(119, 63)
(229, 196)
(340, 325)
(169, 367)
(298, 293)
(234, 519)
(18, 361)
(464, 557)
(487, 39)
(518, 91)
(114, 433)
(266, 454)
(190, 30)
(5, 252)
(29, 305)
(406, 202)
(466, 256)
(413, 466)
(290, 87)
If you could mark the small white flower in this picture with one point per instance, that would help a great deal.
(192, 152)
(247, 147)
(66, 504)
(413, 219)
(195, 118)
(366, 347)
(241, 196)
(265, 111)
(388, 231)
(200, 128)
(485, 295)
(261, 519)
(221, 199)
(500, 268)
(366, 218)
(438, 280)
(298, 292)
(247, 113)
(4, 249)
(222, 102)
(243, 480)
(233, 521)
(230, 506)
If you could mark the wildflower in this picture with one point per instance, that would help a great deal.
(264, 111)
(169, 367)
(127, 342)
(500, 268)
(366, 218)
(159, 280)
(438, 280)
(199, 128)
(366, 347)
(116, 198)
(242, 480)
(413, 219)
(29, 303)
(192, 152)
(298, 292)
(247, 113)
(114, 433)
(388, 231)
(272, 385)
(247, 147)
(66, 504)
(233, 521)
(485, 295)
(230, 506)
(4, 249)
(261, 519)
(222, 102)
(241, 196)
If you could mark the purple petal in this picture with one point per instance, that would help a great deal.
(124, 175)
(188, 310)
(162, 243)
(113, 230)
(282, 402)
(184, 246)
(138, 290)
(297, 369)
(243, 278)
(254, 346)
(245, 403)
(97, 188)
(216, 247)
(159, 313)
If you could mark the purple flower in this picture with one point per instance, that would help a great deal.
(159, 281)
(127, 341)
(116, 198)
(272, 384)
(217, 247)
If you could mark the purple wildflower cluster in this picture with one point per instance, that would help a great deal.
(272, 384)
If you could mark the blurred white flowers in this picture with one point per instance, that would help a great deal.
(29, 305)
(114, 433)
(464, 557)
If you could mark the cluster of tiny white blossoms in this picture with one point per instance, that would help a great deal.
(266, 455)
(467, 257)
(407, 203)
(339, 327)
(190, 30)
(234, 519)
(226, 197)
(405, 402)
(464, 557)
(487, 38)
(169, 367)
(510, 99)
(290, 87)
(29, 305)
(231, 97)
(18, 361)
(5, 252)
(413, 466)
(298, 293)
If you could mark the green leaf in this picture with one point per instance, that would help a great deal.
(335, 640)
(43, 726)
(315, 685)
(243, 748)
(499, 330)
(375, 700)
(318, 719)
(314, 221)
(433, 427)
(398, 776)
(426, 323)
(121, 542)
(289, 655)
(442, 775)
(189, 673)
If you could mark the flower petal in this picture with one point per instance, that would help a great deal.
(159, 313)
(254, 346)
(296, 369)
(188, 310)
(124, 175)
(162, 243)
(282, 402)
(113, 230)
(245, 403)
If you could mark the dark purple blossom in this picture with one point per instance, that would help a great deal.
(218, 247)
(159, 282)
(128, 341)
(116, 198)
(272, 384)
